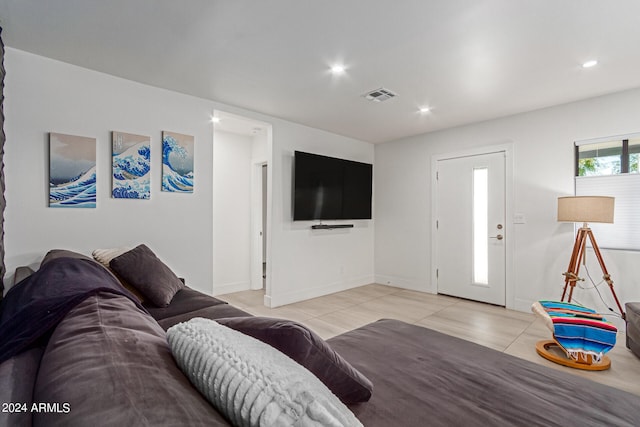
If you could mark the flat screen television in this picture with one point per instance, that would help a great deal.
(328, 188)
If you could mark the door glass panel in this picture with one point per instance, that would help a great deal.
(480, 226)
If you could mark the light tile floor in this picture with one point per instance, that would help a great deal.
(509, 331)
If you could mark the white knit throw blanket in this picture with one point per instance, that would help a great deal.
(250, 382)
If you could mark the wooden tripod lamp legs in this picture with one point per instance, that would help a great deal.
(578, 254)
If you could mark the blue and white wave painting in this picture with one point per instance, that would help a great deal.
(72, 171)
(80, 192)
(131, 167)
(177, 163)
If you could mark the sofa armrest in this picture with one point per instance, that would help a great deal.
(633, 326)
(18, 377)
(21, 274)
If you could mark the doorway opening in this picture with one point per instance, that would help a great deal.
(241, 203)
(259, 225)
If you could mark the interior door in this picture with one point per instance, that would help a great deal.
(470, 227)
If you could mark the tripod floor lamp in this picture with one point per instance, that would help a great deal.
(585, 209)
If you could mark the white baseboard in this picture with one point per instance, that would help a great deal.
(404, 283)
(522, 305)
(318, 291)
(227, 288)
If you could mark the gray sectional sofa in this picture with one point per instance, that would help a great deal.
(106, 361)
(633, 327)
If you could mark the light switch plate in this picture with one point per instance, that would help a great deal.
(519, 218)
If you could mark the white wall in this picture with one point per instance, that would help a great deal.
(543, 170)
(43, 95)
(306, 263)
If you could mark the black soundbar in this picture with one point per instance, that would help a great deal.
(330, 226)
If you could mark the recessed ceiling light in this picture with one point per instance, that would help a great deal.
(337, 69)
(425, 110)
(215, 119)
(590, 64)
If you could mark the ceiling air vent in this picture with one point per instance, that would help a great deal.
(380, 95)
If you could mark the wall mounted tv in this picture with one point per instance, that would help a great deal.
(330, 188)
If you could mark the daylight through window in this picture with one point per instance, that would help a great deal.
(608, 157)
(609, 167)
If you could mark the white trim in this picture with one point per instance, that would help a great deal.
(257, 233)
(267, 286)
(508, 150)
(520, 304)
(403, 283)
(319, 291)
(228, 288)
(607, 139)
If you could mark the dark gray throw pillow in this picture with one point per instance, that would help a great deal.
(143, 270)
(309, 350)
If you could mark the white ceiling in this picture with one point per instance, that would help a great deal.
(469, 60)
(239, 125)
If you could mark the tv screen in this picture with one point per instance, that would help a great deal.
(330, 188)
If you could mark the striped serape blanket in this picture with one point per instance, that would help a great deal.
(577, 329)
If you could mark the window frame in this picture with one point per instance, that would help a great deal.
(624, 156)
(624, 233)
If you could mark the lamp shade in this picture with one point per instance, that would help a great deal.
(586, 209)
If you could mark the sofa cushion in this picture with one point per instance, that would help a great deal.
(310, 350)
(633, 326)
(104, 257)
(184, 301)
(141, 268)
(22, 272)
(251, 382)
(213, 312)
(17, 376)
(33, 308)
(110, 361)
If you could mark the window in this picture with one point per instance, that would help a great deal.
(634, 156)
(608, 157)
(609, 167)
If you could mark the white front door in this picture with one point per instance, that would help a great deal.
(470, 227)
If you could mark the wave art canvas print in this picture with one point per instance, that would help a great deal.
(72, 171)
(177, 162)
(131, 165)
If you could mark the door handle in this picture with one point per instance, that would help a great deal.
(499, 237)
